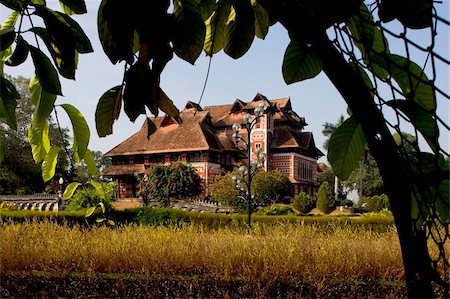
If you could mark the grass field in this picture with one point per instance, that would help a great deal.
(270, 257)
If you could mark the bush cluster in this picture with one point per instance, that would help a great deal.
(377, 203)
(162, 182)
(303, 203)
(87, 196)
(325, 199)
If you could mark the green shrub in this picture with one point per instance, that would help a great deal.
(275, 210)
(224, 191)
(163, 182)
(87, 196)
(303, 203)
(377, 203)
(270, 187)
(325, 199)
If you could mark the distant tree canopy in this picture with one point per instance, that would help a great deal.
(348, 40)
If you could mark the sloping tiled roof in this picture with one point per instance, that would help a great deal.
(188, 135)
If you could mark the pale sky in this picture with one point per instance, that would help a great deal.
(257, 71)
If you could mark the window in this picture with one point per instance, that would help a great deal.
(305, 170)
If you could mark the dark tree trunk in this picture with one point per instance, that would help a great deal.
(416, 260)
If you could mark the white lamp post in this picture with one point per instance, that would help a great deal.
(244, 186)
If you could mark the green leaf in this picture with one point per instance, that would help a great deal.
(345, 147)
(8, 102)
(10, 21)
(116, 32)
(59, 39)
(102, 205)
(20, 53)
(166, 105)
(82, 43)
(89, 212)
(261, 20)
(190, 30)
(7, 37)
(49, 164)
(12, 4)
(43, 101)
(151, 128)
(422, 121)
(73, 6)
(81, 133)
(207, 7)
(45, 72)
(368, 38)
(111, 222)
(411, 79)
(70, 190)
(39, 141)
(98, 188)
(108, 110)
(90, 162)
(215, 28)
(412, 14)
(99, 220)
(300, 63)
(239, 29)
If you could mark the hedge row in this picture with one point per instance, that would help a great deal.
(175, 217)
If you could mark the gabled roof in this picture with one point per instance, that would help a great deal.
(286, 138)
(191, 134)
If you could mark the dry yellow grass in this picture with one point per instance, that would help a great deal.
(283, 251)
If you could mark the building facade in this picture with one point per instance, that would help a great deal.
(202, 137)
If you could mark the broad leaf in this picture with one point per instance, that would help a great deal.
(45, 72)
(411, 79)
(300, 63)
(207, 7)
(102, 205)
(90, 162)
(189, 30)
(10, 21)
(115, 30)
(73, 6)
(368, 38)
(422, 121)
(82, 42)
(12, 4)
(239, 29)
(98, 188)
(20, 53)
(166, 105)
(81, 133)
(8, 102)
(215, 28)
(412, 14)
(59, 40)
(49, 164)
(70, 190)
(141, 89)
(345, 147)
(151, 128)
(261, 20)
(108, 110)
(89, 212)
(7, 37)
(43, 101)
(39, 140)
